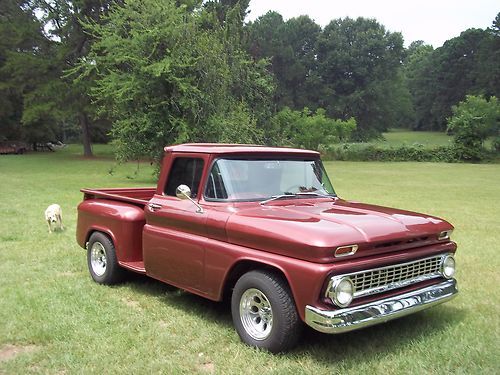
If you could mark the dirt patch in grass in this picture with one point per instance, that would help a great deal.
(205, 366)
(131, 303)
(8, 352)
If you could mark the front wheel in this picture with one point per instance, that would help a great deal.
(264, 312)
(102, 261)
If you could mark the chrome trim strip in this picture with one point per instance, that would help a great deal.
(396, 285)
(349, 319)
(391, 286)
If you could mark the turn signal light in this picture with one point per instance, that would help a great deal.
(344, 251)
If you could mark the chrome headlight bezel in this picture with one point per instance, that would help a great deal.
(338, 293)
(448, 266)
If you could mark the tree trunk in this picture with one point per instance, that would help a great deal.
(84, 124)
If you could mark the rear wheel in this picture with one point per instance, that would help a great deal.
(264, 312)
(102, 261)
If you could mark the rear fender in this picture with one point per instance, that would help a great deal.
(122, 222)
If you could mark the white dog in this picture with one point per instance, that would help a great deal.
(53, 215)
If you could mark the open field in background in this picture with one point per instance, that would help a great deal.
(54, 319)
(428, 139)
(398, 137)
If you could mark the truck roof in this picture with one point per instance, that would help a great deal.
(224, 148)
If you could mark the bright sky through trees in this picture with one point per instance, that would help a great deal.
(433, 21)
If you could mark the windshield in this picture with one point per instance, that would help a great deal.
(254, 180)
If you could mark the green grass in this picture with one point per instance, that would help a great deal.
(398, 137)
(59, 321)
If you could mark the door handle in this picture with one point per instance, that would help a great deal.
(154, 206)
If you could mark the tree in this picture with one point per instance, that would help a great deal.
(23, 67)
(357, 62)
(56, 98)
(418, 71)
(488, 68)
(455, 65)
(167, 74)
(290, 47)
(441, 78)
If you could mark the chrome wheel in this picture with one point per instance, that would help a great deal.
(98, 258)
(256, 314)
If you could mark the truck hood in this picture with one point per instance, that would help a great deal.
(311, 229)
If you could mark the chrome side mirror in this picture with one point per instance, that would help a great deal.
(184, 192)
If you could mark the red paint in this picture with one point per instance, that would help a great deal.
(298, 237)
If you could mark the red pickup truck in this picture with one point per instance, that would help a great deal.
(264, 227)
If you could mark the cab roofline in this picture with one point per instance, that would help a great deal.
(224, 148)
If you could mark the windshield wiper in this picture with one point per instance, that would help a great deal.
(295, 195)
(275, 197)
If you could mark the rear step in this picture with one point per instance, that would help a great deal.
(134, 266)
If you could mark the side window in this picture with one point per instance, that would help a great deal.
(185, 171)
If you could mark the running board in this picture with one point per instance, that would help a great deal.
(134, 266)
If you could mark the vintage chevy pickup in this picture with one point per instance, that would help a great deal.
(264, 228)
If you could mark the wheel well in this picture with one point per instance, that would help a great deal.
(242, 267)
(92, 231)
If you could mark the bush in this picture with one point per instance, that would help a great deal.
(364, 152)
(474, 120)
(310, 130)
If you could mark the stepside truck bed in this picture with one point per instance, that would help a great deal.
(137, 196)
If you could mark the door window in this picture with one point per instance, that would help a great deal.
(185, 171)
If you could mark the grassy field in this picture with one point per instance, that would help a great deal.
(55, 320)
(397, 137)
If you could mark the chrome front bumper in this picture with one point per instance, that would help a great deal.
(351, 318)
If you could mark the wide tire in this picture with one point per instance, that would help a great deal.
(101, 260)
(264, 312)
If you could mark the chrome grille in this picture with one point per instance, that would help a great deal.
(395, 276)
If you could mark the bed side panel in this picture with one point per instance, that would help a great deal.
(121, 221)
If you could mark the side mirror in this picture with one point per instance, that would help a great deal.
(184, 192)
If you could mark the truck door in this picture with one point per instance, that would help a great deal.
(175, 233)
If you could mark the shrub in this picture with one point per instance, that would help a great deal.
(310, 130)
(364, 152)
(472, 122)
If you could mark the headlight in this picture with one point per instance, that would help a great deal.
(341, 291)
(448, 266)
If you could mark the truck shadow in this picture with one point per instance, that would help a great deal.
(361, 345)
(383, 339)
(214, 312)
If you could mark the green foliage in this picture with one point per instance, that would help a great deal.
(358, 62)
(441, 78)
(23, 68)
(236, 125)
(474, 120)
(310, 130)
(291, 48)
(166, 75)
(45, 40)
(369, 152)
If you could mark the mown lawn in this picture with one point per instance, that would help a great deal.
(398, 137)
(54, 319)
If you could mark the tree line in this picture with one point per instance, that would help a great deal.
(149, 73)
